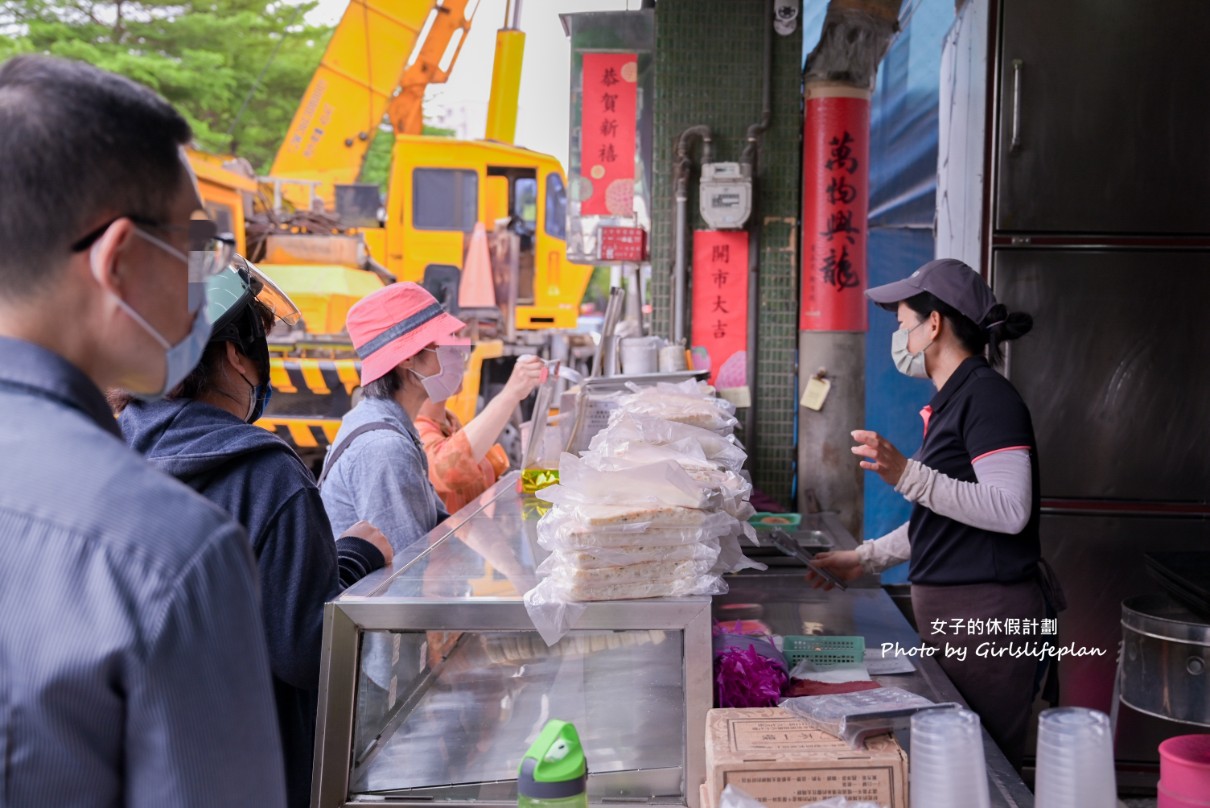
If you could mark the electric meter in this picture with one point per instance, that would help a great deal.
(725, 196)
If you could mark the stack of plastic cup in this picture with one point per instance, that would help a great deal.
(946, 760)
(1075, 760)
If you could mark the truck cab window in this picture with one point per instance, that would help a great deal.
(525, 201)
(445, 199)
(556, 207)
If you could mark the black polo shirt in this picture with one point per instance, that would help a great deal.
(977, 412)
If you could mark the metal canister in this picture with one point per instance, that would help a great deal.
(1165, 666)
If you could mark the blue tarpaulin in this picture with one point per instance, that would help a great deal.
(903, 194)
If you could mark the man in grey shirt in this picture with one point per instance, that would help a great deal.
(133, 669)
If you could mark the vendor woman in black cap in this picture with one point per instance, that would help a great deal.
(972, 539)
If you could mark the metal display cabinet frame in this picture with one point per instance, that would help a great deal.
(375, 605)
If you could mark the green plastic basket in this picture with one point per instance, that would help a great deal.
(762, 520)
(824, 651)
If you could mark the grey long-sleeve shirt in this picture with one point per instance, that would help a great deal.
(383, 478)
(999, 501)
(133, 669)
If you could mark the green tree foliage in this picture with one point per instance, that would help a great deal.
(205, 56)
(377, 166)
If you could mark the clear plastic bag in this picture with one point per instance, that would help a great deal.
(622, 555)
(853, 717)
(688, 454)
(731, 558)
(657, 484)
(552, 614)
(626, 430)
(690, 389)
(568, 534)
(670, 587)
(602, 577)
(579, 527)
(637, 517)
(690, 402)
(723, 488)
(555, 605)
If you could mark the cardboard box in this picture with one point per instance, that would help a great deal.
(782, 761)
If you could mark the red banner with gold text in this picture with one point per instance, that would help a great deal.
(720, 303)
(607, 133)
(836, 203)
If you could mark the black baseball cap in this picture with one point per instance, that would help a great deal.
(947, 279)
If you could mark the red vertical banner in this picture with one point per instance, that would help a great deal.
(720, 303)
(608, 122)
(836, 204)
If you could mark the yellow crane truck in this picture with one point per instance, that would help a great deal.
(381, 57)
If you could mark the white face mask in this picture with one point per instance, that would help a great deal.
(906, 362)
(179, 359)
(443, 384)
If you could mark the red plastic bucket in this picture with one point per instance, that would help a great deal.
(1184, 772)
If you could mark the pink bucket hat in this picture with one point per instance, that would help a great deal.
(396, 323)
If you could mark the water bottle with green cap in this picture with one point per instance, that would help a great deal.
(554, 773)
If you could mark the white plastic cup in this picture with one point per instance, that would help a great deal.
(672, 359)
(945, 761)
(1075, 760)
(640, 355)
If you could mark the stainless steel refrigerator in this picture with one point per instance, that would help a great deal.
(1075, 173)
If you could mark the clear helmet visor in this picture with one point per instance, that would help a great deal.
(269, 293)
(231, 290)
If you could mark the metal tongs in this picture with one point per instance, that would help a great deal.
(541, 415)
(785, 544)
(603, 362)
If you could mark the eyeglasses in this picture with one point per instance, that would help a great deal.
(203, 238)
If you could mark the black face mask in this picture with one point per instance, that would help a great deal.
(248, 334)
(261, 393)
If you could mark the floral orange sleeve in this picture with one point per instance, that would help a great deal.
(456, 475)
(498, 459)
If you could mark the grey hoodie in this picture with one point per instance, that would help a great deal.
(258, 479)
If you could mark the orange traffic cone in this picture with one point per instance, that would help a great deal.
(476, 290)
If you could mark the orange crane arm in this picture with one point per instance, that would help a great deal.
(375, 64)
(450, 28)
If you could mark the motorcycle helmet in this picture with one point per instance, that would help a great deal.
(229, 304)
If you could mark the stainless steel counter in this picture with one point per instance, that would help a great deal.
(433, 681)
(790, 606)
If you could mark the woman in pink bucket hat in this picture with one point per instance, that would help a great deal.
(376, 468)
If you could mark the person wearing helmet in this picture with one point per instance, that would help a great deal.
(203, 435)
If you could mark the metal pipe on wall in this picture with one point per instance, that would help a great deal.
(683, 170)
(680, 224)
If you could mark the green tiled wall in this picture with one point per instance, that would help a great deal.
(709, 61)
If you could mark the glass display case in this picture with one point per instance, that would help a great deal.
(434, 682)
